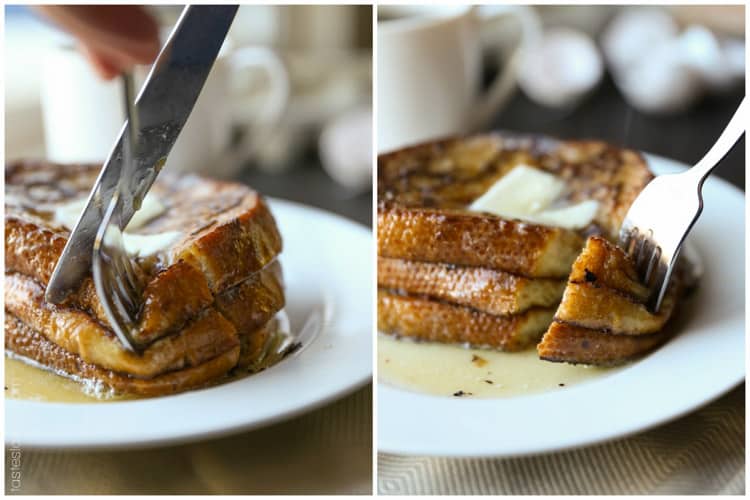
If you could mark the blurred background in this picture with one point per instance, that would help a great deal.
(286, 109)
(661, 79)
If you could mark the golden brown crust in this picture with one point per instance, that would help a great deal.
(205, 337)
(487, 290)
(577, 345)
(255, 301)
(607, 265)
(480, 240)
(171, 302)
(600, 308)
(231, 252)
(171, 299)
(31, 249)
(23, 341)
(440, 322)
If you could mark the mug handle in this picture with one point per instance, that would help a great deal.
(275, 104)
(504, 85)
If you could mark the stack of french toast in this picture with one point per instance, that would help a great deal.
(210, 295)
(450, 273)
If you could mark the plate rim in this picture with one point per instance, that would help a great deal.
(666, 165)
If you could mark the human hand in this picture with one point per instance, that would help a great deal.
(113, 37)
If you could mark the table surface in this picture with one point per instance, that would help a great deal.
(701, 453)
(327, 451)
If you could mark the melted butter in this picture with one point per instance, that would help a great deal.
(532, 195)
(137, 245)
(25, 381)
(450, 370)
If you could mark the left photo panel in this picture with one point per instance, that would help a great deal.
(188, 272)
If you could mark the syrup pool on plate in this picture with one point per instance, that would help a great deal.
(452, 370)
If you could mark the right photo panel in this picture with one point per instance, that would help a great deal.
(560, 249)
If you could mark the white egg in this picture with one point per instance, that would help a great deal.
(734, 52)
(561, 68)
(702, 52)
(345, 148)
(660, 82)
(635, 32)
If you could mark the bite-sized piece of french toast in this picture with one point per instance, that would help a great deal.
(486, 290)
(603, 309)
(425, 319)
(577, 345)
(605, 293)
(226, 234)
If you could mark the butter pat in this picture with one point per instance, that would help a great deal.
(522, 191)
(136, 245)
(144, 245)
(151, 207)
(67, 215)
(526, 193)
(575, 216)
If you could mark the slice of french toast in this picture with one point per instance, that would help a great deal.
(602, 318)
(210, 296)
(486, 290)
(470, 239)
(28, 344)
(424, 193)
(227, 234)
(426, 319)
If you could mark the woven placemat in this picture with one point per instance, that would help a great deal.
(702, 453)
(327, 451)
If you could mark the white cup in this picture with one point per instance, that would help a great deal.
(429, 68)
(83, 114)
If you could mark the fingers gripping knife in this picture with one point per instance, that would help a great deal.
(161, 110)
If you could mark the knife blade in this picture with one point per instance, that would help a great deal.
(163, 105)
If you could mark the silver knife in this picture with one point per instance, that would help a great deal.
(163, 106)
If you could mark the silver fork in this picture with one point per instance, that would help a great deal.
(117, 283)
(661, 217)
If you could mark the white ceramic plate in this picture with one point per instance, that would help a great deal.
(328, 277)
(704, 361)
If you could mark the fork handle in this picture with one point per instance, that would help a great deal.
(723, 145)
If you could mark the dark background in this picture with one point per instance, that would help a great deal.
(605, 115)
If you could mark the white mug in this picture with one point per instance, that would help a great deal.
(83, 114)
(429, 71)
